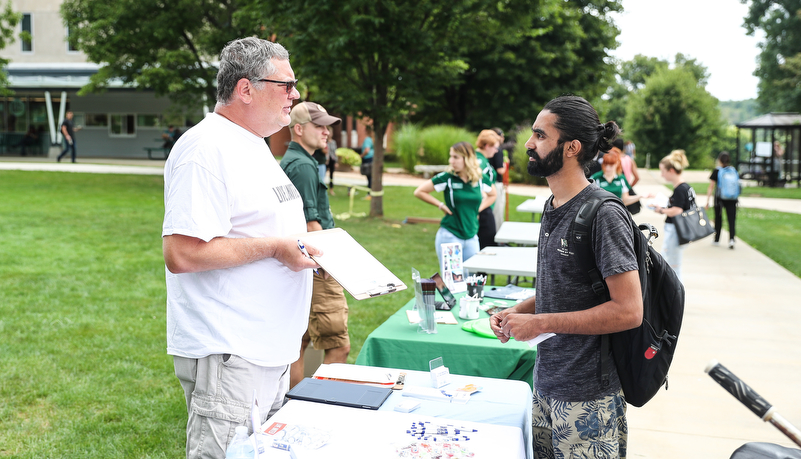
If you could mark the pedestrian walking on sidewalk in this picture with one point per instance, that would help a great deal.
(68, 131)
(720, 203)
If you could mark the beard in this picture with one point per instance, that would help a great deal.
(551, 164)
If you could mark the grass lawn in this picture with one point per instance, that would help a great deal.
(753, 191)
(84, 372)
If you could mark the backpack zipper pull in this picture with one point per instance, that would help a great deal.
(650, 353)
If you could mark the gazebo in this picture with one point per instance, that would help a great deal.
(772, 155)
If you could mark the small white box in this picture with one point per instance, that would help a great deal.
(440, 376)
(407, 406)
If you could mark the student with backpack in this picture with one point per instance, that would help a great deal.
(725, 181)
(569, 396)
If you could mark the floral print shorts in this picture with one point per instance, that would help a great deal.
(566, 430)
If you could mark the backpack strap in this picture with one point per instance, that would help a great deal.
(580, 234)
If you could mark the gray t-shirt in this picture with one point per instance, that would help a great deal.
(568, 366)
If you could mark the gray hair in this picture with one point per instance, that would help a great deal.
(249, 58)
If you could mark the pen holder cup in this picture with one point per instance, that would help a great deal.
(428, 323)
(476, 291)
(468, 308)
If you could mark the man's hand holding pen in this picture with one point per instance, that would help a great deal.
(319, 271)
(287, 252)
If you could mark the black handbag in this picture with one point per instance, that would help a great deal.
(366, 168)
(635, 207)
(692, 224)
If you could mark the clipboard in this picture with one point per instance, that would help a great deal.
(350, 264)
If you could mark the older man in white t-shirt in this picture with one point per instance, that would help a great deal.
(238, 286)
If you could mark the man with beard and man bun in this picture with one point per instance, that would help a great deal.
(575, 414)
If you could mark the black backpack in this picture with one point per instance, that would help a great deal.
(643, 354)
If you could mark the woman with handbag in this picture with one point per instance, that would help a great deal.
(466, 192)
(671, 167)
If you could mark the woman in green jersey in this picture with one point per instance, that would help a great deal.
(611, 179)
(466, 192)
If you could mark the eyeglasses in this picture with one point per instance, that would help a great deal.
(289, 85)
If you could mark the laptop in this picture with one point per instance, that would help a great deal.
(340, 393)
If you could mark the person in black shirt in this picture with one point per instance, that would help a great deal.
(68, 131)
(671, 167)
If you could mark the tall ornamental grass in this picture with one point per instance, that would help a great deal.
(437, 142)
(408, 146)
(415, 145)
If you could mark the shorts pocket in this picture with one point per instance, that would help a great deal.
(211, 425)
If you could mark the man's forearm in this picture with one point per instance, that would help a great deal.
(184, 254)
(524, 307)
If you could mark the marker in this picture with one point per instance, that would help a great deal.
(303, 249)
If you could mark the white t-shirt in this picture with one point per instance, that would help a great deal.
(222, 181)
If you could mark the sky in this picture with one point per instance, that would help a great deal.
(708, 30)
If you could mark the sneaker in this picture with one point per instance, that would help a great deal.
(716, 243)
(731, 243)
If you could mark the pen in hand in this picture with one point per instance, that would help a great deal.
(305, 252)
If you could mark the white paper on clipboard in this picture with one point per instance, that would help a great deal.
(356, 270)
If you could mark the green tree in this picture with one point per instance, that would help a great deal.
(674, 111)
(526, 53)
(630, 77)
(737, 111)
(779, 68)
(8, 24)
(168, 46)
(380, 59)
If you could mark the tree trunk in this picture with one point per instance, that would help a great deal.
(377, 203)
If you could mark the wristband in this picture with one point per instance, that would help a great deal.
(439, 206)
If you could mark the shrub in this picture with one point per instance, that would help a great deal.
(437, 141)
(408, 146)
(348, 157)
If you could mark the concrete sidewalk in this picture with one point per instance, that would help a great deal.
(741, 309)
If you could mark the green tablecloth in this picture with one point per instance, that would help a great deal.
(397, 344)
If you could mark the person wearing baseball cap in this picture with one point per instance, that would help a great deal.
(328, 319)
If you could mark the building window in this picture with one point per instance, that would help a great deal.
(27, 27)
(72, 42)
(122, 125)
(151, 121)
(95, 119)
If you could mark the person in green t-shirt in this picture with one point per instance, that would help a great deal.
(328, 316)
(466, 192)
(611, 179)
(487, 145)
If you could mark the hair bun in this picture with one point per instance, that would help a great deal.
(610, 130)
